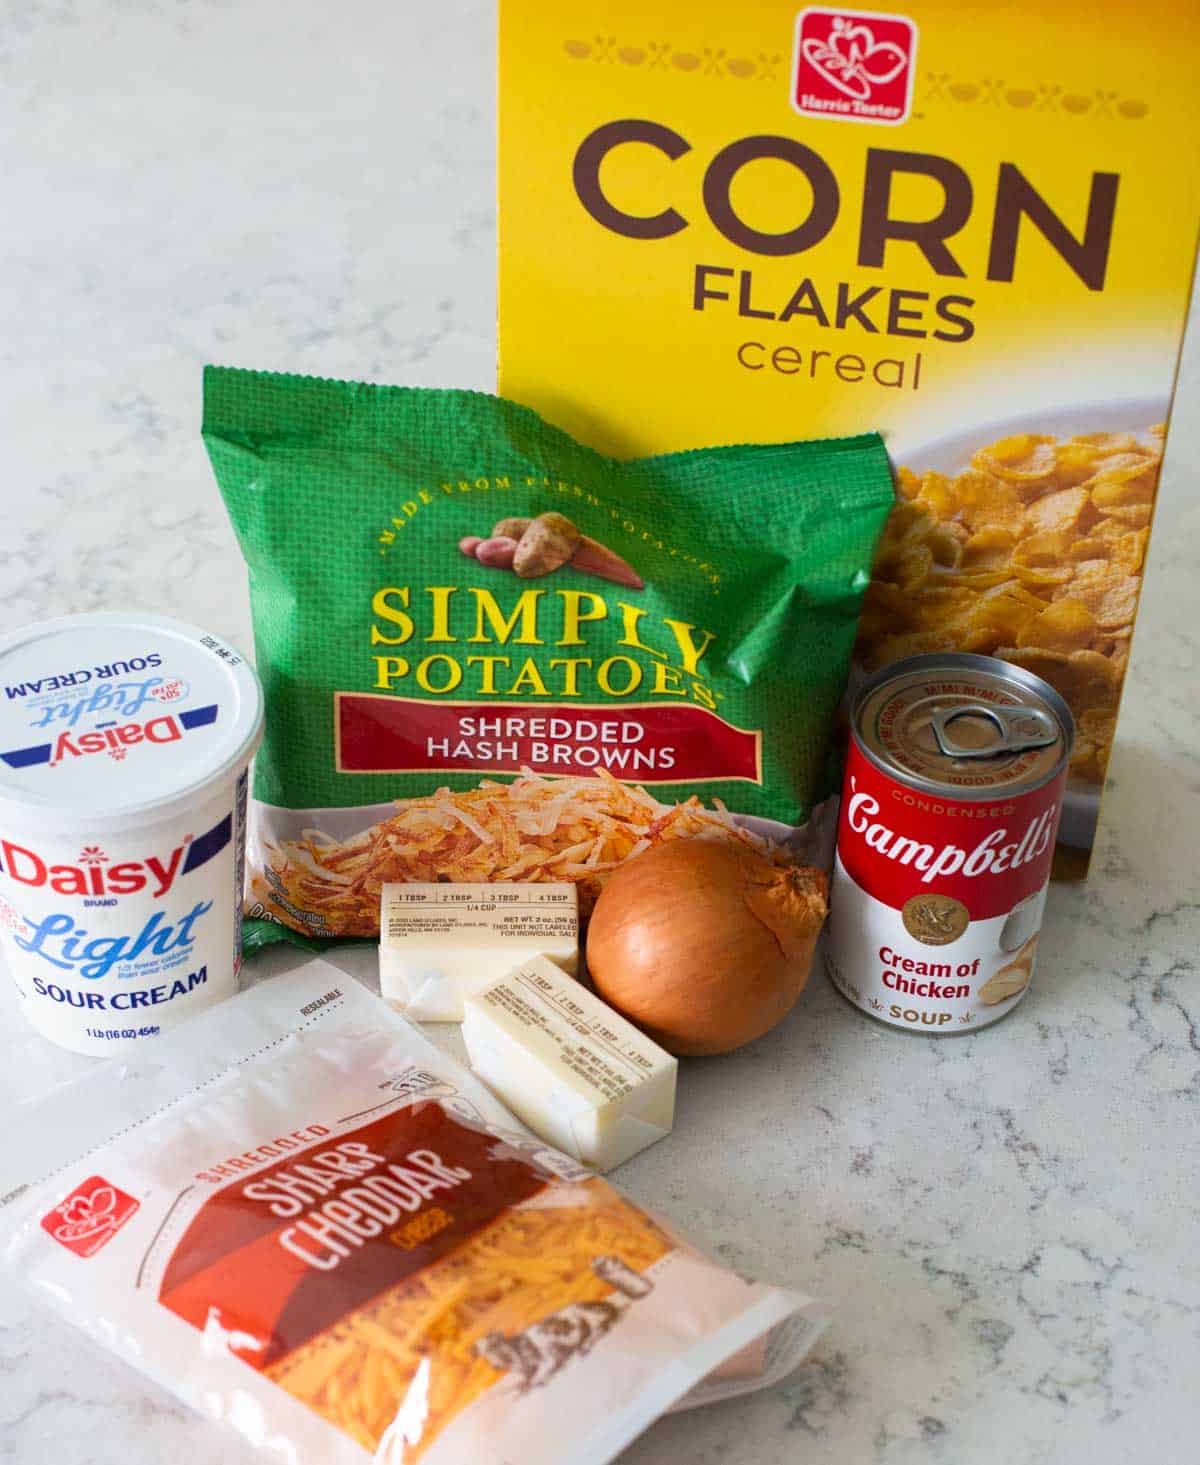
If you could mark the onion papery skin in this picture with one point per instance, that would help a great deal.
(705, 946)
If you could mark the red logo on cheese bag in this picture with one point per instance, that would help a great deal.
(855, 65)
(90, 1216)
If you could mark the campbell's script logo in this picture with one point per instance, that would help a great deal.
(855, 65)
(90, 1216)
(994, 854)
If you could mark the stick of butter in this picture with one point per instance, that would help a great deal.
(576, 1072)
(437, 942)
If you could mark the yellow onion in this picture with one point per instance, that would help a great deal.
(705, 946)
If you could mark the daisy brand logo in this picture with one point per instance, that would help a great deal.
(90, 1216)
(854, 65)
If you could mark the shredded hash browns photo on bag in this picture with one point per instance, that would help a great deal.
(533, 828)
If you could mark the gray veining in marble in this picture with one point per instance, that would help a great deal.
(1006, 1222)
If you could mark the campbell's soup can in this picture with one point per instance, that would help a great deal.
(125, 742)
(953, 791)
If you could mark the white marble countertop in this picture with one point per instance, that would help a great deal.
(1006, 1222)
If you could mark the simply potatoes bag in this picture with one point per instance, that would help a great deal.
(490, 653)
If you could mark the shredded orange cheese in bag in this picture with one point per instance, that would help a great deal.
(343, 1246)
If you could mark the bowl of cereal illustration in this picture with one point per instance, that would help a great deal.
(1025, 539)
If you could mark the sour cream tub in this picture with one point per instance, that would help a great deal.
(125, 744)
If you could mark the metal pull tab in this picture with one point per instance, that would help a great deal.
(1019, 728)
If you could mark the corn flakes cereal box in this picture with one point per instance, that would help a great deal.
(971, 227)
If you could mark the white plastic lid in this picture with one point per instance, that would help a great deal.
(114, 719)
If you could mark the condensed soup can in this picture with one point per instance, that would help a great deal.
(953, 791)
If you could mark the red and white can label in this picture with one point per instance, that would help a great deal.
(937, 902)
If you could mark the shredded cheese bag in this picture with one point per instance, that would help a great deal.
(491, 653)
(339, 1243)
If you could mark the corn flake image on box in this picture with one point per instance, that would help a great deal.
(974, 230)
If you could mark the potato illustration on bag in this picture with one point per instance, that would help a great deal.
(498, 552)
(546, 546)
(532, 548)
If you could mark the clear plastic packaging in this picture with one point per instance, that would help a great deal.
(306, 1221)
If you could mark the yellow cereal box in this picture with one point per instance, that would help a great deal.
(972, 226)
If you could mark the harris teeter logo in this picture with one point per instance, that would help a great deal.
(854, 65)
(90, 1216)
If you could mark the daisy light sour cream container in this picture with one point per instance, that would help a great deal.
(125, 744)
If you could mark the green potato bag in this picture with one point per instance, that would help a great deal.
(653, 649)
